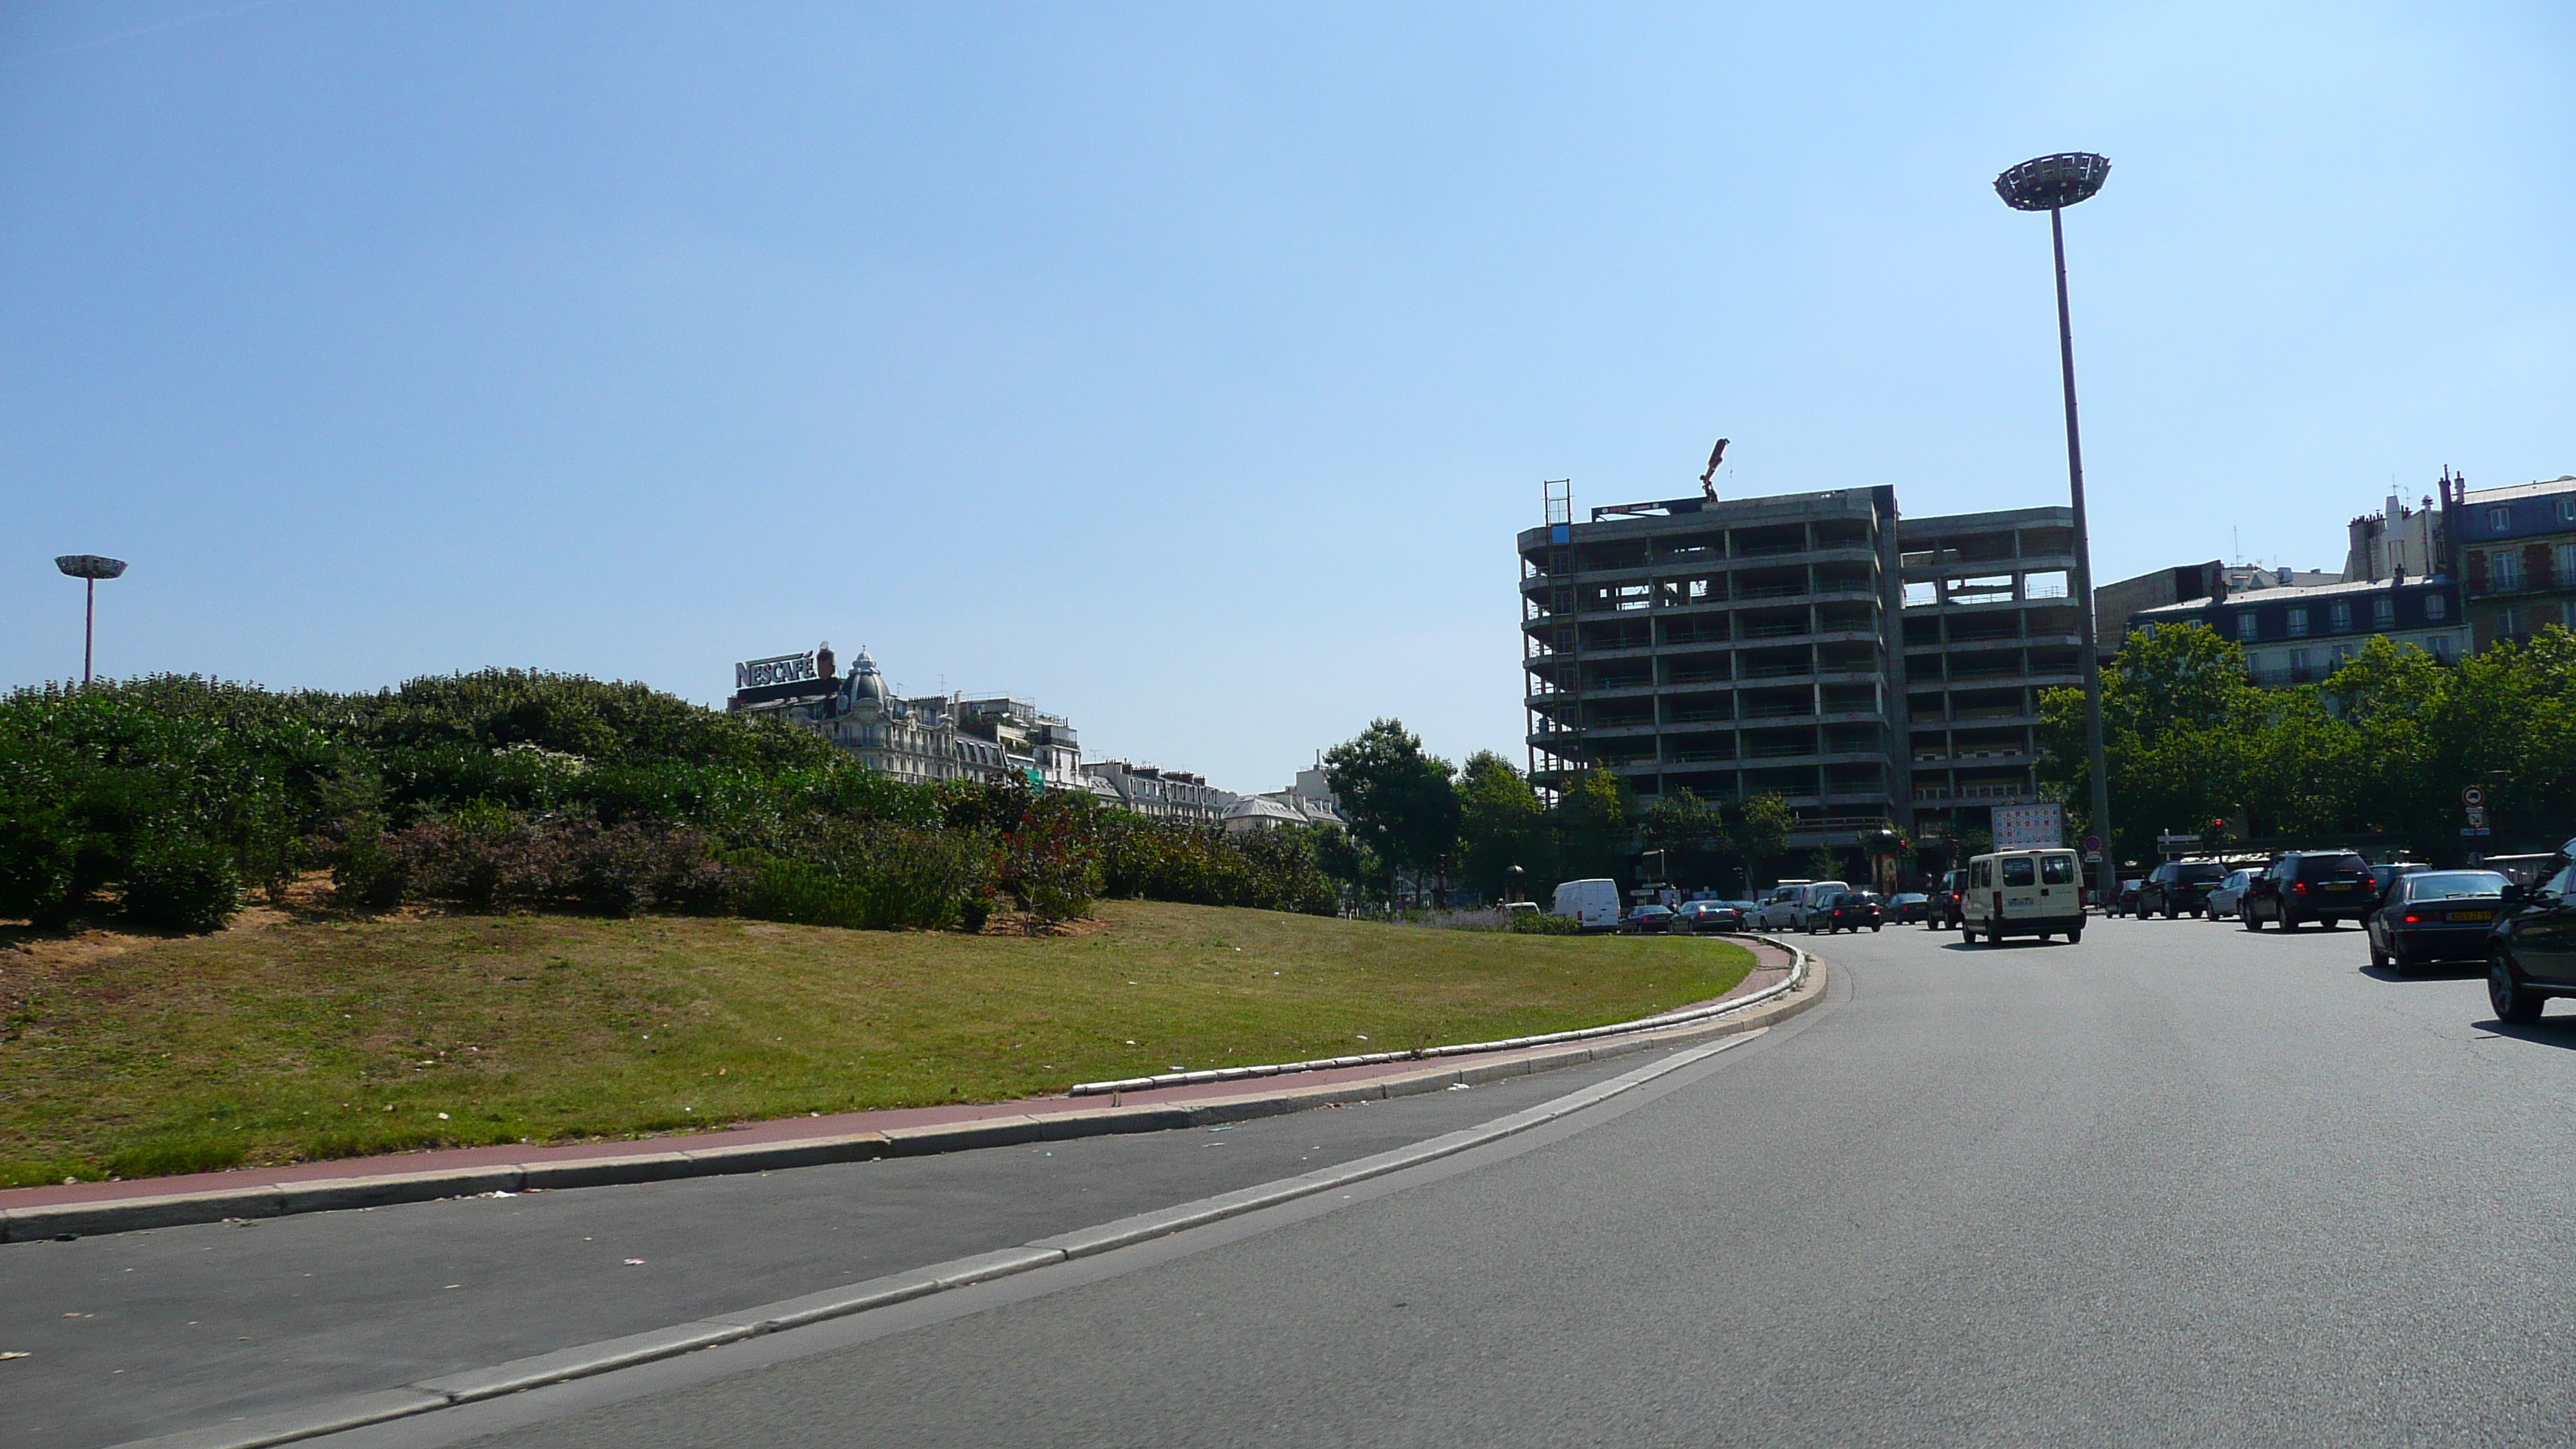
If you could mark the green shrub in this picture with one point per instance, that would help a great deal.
(870, 877)
(38, 852)
(1540, 923)
(637, 866)
(183, 884)
(365, 872)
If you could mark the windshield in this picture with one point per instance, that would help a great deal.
(2444, 885)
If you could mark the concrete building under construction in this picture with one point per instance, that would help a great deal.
(1872, 671)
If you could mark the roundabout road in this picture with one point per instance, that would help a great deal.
(2180, 1184)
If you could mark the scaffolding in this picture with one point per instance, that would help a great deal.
(1562, 645)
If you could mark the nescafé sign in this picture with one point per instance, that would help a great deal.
(779, 669)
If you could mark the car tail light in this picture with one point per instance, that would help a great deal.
(2414, 920)
(2298, 885)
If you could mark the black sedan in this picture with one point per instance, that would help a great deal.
(1909, 908)
(1847, 911)
(2436, 915)
(1708, 916)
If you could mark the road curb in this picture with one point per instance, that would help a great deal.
(608, 1355)
(1775, 1003)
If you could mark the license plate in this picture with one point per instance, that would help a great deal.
(2471, 916)
(2339, 885)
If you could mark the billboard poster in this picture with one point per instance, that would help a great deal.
(2027, 827)
(779, 669)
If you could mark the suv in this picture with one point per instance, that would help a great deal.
(1790, 905)
(1942, 912)
(2332, 886)
(2178, 887)
(1846, 911)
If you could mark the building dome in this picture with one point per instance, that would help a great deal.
(865, 682)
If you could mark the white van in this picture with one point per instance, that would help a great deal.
(1785, 909)
(2023, 893)
(1590, 904)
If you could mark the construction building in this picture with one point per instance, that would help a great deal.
(1874, 672)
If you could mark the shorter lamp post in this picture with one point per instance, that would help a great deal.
(89, 568)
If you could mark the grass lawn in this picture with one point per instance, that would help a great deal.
(290, 1041)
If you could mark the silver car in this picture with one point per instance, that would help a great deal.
(2222, 898)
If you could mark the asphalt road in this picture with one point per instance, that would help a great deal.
(2179, 1184)
(137, 1334)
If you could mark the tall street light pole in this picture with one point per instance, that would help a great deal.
(89, 568)
(2052, 184)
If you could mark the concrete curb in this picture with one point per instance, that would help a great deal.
(584, 1361)
(1371, 1059)
(135, 1214)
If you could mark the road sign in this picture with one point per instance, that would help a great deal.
(2477, 817)
(2474, 830)
(2473, 796)
(2093, 857)
(2093, 845)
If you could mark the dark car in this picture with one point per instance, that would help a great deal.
(2436, 915)
(1907, 907)
(1647, 919)
(2531, 956)
(1847, 911)
(2127, 904)
(1708, 916)
(2332, 886)
(2178, 888)
(1943, 914)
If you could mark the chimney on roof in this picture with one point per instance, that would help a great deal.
(2397, 577)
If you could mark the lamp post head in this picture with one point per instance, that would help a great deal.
(89, 566)
(2050, 182)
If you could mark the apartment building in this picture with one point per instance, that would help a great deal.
(2517, 549)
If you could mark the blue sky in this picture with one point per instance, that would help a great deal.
(1191, 368)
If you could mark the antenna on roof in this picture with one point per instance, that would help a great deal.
(1708, 475)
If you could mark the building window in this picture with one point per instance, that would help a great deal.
(2504, 569)
(2566, 561)
(2339, 618)
(2245, 626)
(2508, 621)
(2298, 623)
(2298, 661)
(2567, 509)
(2442, 648)
(2383, 613)
(2434, 607)
(2499, 518)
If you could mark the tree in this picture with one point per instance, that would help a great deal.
(1400, 800)
(1592, 830)
(1501, 825)
(1758, 828)
(1692, 834)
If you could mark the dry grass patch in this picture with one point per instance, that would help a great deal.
(292, 1038)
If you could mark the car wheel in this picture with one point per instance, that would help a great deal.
(1874, 926)
(2172, 912)
(2377, 956)
(2246, 914)
(2513, 1001)
(2075, 938)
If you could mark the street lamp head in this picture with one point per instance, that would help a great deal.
(89, 565)
(2052, 181)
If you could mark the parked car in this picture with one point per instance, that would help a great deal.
(2022, 893)
(2436, 915)
(2127, 904)
(1709, 916)
(1647, 919)
(2332, 886)
(1907, 907)
(2531, 956)
(1944, 913)
(2222, 897)
(2177, 888)
(1788, 905)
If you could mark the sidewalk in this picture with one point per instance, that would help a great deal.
(97, 1207)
